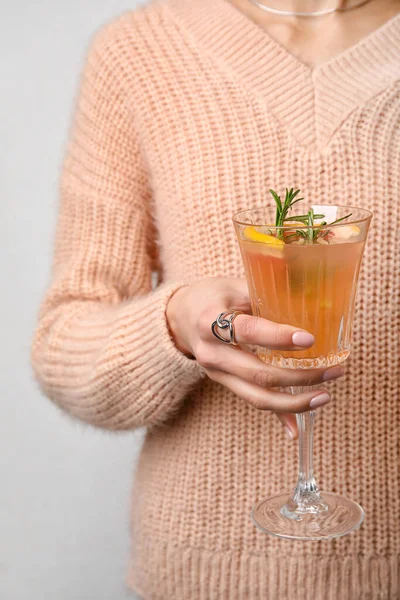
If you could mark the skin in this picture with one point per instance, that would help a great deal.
(190, 313)
(192, 309)
(315, 41)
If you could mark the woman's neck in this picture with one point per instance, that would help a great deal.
(310, 6)
(317, 40)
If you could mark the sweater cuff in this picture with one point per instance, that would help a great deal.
(163, 373)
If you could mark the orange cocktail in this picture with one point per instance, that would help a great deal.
(311, 286)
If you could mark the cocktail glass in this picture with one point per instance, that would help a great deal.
(308, 282)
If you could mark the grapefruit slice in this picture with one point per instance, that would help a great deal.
(253, 235)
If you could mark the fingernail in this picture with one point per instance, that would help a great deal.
(320, 400)
(289, 433)
(333, 373)
(302, 338)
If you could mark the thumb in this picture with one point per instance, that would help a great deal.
(290, 424)
(238, 297)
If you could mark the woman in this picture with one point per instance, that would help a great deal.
(188, 111)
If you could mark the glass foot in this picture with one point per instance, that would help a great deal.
(274, 516)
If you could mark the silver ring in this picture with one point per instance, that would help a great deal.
(225, 321)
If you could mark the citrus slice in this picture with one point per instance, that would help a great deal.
(346, 231)
(253, 235)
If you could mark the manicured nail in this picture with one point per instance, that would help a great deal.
(289, 433)
(320, 400)
(302, 338)
(333, 373)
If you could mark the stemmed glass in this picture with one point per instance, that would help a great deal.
(309, 281)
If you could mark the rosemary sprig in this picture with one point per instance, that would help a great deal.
(310, 230)
(313, 231)
(304, 218)
(341, 219)
(282, 208)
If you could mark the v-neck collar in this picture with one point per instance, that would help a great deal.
(310, 102)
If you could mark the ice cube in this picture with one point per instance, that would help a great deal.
(330, 213)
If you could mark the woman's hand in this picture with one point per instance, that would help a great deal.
(190, 313)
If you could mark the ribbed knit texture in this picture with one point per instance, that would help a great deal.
(188, 112)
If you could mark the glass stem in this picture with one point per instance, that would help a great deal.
(306, 497)
(306, 481)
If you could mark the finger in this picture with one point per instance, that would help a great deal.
(265, 399)
(236, 293)
(249, 367)
(289, 422)
(234, 296)
(259, 331)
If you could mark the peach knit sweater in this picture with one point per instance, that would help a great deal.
(187, 112)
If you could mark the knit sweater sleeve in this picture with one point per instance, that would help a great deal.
(102, 350)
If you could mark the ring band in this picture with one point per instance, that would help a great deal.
(225, 321)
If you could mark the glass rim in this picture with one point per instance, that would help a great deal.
(367, 217)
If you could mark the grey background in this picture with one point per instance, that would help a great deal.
(64, 488)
